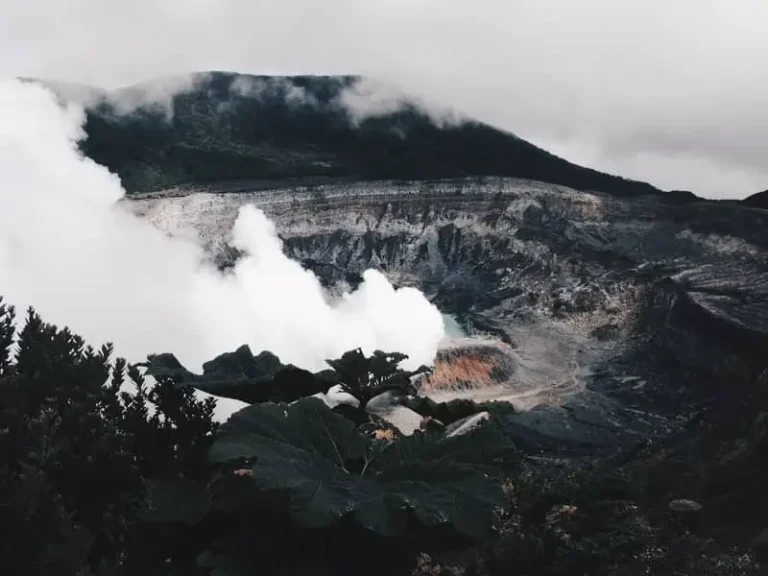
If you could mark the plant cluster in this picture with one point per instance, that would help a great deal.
(105, 473)
(77, 446)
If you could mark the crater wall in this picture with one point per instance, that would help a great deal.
(578, 288)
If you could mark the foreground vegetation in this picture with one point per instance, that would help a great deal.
(101, 473)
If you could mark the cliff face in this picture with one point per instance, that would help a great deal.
(629, 309)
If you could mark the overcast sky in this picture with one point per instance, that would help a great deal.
(674, 92)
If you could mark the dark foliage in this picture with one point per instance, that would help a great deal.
(330, 470)
(759, 200)
(102, 473)
(242, 376)
(565, 520)
(76, 451)
(368, 377)
(454, 410)
(220, 133)
(70, 486)
(263, 378)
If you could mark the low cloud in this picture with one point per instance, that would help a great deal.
(156, 95)
(372, 97)
(361, 98)
(257, 87)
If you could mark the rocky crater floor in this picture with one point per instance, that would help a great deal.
(607, 321)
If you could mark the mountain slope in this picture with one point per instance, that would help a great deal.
(759, 200)
(228, 127)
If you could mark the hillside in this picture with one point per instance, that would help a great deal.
(759, 200)
(229, 127)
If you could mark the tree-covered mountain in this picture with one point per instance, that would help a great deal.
(228, 127)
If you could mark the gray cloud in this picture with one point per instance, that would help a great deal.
(370, 96)
(156, 94)
(256, 87)
(669, 92)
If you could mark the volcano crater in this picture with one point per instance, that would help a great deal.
(596, 316)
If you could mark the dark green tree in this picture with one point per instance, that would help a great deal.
(79, 451)
(70, 486)
(366, 377)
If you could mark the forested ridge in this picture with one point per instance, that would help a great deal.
(103, 473)
(236, 127)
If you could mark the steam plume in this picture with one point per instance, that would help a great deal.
(71, 250)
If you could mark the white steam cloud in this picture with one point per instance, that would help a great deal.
(68, 248)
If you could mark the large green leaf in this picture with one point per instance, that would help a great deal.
(329, 470)
(242, 376)
(175, 500)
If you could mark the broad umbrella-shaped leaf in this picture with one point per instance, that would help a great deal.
(175, 500)
(242, 376)
(330, 470)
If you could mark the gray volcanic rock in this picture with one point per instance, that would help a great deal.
(621, 313)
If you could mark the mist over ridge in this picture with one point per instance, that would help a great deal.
(221, 126)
